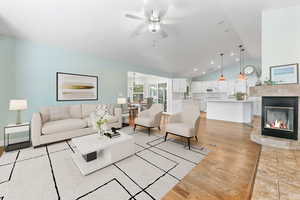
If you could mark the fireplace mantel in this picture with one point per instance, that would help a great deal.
(275, 90)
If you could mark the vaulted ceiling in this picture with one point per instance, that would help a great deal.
(203, 29)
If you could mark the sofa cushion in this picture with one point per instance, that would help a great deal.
(45, 114)
(53, 127)
(75, 111)
(87, 109)
(88, 121)
(59, 113)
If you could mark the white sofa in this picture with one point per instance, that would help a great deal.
(57, 123)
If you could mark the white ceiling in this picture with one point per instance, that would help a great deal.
(99, 27)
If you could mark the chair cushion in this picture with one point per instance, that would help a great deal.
(53, 127)
(145, 121)
(180, 129)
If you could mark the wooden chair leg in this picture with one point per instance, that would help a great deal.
(149, 131)
(166, 136)
(196, 138)
(134, 128)
(189, 143)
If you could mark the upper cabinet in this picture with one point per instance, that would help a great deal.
(179, 85)
(229, 86)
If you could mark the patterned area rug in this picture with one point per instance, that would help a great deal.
(49, 173)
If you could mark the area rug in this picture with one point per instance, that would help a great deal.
(48, 173)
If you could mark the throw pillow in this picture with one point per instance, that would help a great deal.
(59, 113)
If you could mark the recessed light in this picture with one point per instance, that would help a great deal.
(212, 62)
(195, 69)
(237, 59)
(232, 54)
(203, 72)
(219, 66)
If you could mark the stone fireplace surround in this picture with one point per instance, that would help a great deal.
(278, 90)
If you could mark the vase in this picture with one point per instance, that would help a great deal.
(101, 131)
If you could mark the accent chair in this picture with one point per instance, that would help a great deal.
(185, 123)
(150, 118)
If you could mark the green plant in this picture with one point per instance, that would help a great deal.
(100, 122)
(240, 95)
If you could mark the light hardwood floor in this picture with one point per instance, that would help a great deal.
(228, 172)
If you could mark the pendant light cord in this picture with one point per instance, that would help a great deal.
(240, 58)
(222, 54)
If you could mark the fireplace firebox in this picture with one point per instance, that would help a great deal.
(280, 117)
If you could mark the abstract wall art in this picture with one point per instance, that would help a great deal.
(76, 87)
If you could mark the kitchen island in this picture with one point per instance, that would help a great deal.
(230, 110)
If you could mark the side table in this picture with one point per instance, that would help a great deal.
(15, 129)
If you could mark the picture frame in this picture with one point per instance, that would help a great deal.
(76, 87)
(285, 74)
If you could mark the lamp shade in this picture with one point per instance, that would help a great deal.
(122, 100)
(18, 104)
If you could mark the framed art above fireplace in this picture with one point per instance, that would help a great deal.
(76, 87)
(284, 74)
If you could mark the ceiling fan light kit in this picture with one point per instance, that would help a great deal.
(153, 21)
(154, 27)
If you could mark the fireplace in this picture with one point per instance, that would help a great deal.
(280, 117)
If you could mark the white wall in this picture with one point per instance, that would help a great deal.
(280, 38)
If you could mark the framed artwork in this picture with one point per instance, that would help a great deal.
(76, 87)
(284, 74)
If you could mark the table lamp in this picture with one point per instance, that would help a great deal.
(121, 101)
(18, 105)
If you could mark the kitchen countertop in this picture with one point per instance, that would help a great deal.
(230, 101)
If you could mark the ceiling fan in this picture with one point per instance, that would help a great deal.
(153, 21)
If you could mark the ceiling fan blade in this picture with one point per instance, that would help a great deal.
(163, 33)
(139, 30)
(131, 16)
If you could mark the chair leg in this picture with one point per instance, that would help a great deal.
(159, 128)
(189, 143)
(149, 131)
(196, 138)
(134, 128)
(166, 136)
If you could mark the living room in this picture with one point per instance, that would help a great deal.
(153, 99)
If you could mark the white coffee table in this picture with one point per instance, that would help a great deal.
(108, 151)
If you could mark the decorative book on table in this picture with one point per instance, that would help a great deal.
(112, 135)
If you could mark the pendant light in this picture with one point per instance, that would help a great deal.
(222, 78)
(241, 75)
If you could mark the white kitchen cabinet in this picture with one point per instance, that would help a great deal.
(222, 86)
(196, 86)
(179, 85)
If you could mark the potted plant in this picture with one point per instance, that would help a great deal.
(240, 96)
